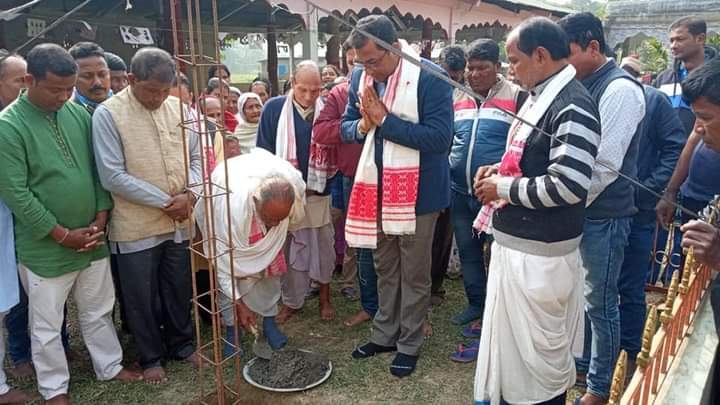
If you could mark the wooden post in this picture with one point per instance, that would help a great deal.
(291, 54)
(165, 40)
(272, 61)
(332, 53)
(427, 32)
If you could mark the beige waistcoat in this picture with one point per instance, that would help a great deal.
(153, 149)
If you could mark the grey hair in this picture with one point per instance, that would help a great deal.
(274, 188)
(214, 83)
(5, 59)
(153, 64)
(306, 65)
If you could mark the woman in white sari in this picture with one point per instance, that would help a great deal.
(249, 109)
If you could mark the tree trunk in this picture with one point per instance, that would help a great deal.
(427, 32)
(332, 54)
(165, 40)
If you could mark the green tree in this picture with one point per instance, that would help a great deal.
(714, 40)
(593, 6)
(653, 55)
(503, 54)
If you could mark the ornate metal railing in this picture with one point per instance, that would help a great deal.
(667, 329)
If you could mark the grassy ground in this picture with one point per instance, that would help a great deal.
(436, 381)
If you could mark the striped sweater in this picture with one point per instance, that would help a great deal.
(547, 206)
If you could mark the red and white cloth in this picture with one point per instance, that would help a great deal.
(531, 113)
(323, 164)
(278, 266)
(509, 166)
(401, 167)
(320, 165)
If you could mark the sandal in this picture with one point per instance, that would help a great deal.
(465, 354)
(473, 331)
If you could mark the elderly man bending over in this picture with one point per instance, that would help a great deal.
(266, 200)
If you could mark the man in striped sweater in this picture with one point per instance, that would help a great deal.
(533, 320)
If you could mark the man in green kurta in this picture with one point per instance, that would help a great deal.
(49, 183)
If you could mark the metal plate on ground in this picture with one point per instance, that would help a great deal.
(249, 379)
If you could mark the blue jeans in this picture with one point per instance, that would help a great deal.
(603, 250)
(631, 285)
(463, 210)
(367, 278)
(16, 323)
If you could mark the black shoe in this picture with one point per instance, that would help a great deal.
(371, 349)
(403, 365)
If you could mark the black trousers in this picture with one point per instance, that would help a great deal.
(156, 286)
(559, 400)
(118, 294)
(441, 249)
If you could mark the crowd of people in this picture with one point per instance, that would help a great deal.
(546, 178)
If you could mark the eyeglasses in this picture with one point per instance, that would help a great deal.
(372, 62)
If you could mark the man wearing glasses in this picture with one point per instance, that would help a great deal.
(403, 116)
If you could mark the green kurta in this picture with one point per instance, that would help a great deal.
(48, 177)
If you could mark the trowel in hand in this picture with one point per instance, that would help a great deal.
(261, 347)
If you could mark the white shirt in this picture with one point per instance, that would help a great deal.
(622, 108)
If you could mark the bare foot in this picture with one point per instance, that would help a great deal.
(126, 375)
(195, 360)
(23, 371)
(357, 319)
(61, 399)
(16, 397)
(327, 312)
(155, 375)
(427, 329)
(286, 313)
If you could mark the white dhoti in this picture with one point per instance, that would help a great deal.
(532, 327)
(261, 294)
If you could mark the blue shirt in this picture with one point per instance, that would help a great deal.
(702, 182)
(8, 266)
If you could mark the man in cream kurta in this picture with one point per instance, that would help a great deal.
(140, 157)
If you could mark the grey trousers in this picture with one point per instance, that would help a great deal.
(403, 266)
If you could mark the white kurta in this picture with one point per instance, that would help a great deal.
(532, 327)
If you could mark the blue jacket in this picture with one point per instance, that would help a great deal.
(669, 81)
(662, 137)
(481, 132)
(267, 132)
(431, 136)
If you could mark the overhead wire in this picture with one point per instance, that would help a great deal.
(409, 58)
(398, 52)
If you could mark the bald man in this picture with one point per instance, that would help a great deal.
(285, 130)
(12, 73)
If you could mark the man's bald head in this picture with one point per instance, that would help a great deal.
(211, 107)
(274, 199)
(306, 83)
(12, 72)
